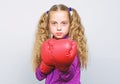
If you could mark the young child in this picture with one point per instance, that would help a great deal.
(58, 27)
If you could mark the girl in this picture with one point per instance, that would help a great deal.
(61, 22)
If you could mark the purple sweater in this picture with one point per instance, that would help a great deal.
(72, 76)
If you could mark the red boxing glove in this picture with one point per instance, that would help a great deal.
(46, 65)
(45, 68)
(58, 53)
(61, 52)
(64, 53)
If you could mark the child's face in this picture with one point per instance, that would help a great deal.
(59, 23)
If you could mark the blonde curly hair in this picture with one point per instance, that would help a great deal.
(76, 33)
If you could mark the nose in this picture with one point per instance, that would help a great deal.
(59, 28)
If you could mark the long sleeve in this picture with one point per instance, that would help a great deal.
(73, 71)
(72, 76)
(39, 75)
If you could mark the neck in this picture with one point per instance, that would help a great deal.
(66, 36)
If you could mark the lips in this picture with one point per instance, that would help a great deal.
(59, 33)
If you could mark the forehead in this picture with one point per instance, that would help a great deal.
(59, 15)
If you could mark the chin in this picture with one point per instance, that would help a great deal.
(59, 37)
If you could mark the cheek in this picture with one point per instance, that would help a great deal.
(52, 29)
(66, 28)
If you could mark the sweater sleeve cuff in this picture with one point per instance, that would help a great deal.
(39, 75)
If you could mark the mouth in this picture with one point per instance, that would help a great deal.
(59, 33)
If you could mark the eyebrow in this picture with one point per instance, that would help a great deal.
(61, 21)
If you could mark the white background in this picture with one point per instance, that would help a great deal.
(18, 23)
